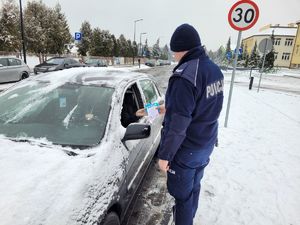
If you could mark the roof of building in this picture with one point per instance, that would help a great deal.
(278, 31)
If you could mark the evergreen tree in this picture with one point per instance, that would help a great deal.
(107, 43)
(84, 45)
(129, 50)
(165, 53)
(156, 52)
(220, 58)
(146, 51)
(228, 50)
(123, 46)
(9, 27)
(96, 47)
(37, 27)
(270, 57)
(116, 46)
(254, 57)
(135, 48)
(58, 32)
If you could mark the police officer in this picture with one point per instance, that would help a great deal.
(193, 104)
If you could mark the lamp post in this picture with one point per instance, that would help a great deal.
(22, 31)
(141, 48)
(134, 37)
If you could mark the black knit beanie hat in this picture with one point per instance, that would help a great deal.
(184, 38)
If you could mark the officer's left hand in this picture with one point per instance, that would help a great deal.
(163, 165)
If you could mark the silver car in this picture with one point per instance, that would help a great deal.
(12, 69)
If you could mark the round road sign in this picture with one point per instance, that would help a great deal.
(243, 15)
(265, 46)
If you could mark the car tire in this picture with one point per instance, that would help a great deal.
(111, 219)
(24, 76)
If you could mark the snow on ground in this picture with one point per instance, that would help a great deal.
(254, 176)
(284, 79)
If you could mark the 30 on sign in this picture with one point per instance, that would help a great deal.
(243, 15)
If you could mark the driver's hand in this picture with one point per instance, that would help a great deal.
(161, 109)
(141, 113)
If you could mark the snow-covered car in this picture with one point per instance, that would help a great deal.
(12, 69)
(65, 157)
(57, 63)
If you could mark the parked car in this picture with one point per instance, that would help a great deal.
(57, 63)
(150, 62)
(96, 62)
(161, 62)
(65, 157)
(12, 69)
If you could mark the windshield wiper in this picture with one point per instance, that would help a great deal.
(41, 144)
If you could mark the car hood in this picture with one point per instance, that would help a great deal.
(44, 185)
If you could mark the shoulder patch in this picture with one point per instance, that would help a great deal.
(214, 88)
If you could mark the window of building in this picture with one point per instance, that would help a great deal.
(286, 56)
(277, 41)
(275, 55)
(297, 49)
(289, 42)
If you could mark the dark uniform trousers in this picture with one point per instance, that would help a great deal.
(184, 177)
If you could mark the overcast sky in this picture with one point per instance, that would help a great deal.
(161, 17)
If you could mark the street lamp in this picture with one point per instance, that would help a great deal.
(141, 48)
(22, 31)
(134, 36)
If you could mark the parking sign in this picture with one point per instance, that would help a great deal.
(78, 36)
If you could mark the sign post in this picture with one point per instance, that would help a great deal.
(242, 16)
(265, 47)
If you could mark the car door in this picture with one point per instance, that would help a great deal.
(4, 72)
(14, 66)
(67, 63)
(135, 165)
(74, 63)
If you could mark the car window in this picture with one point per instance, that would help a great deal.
(71, 114)
(69, 61)
(73, 61)
(132, 101)
(149, 91)
(14, 62)
(56, 61)
(3, 62)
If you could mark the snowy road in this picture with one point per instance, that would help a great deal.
(254, 176)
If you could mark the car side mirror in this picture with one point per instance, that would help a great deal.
(137, 131)
(66, 64)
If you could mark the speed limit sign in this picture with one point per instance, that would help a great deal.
(243, 15)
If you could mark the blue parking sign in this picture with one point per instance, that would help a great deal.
(78, 36)
(229, 55)
(240, 51)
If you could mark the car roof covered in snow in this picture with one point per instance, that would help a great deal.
(111, 77)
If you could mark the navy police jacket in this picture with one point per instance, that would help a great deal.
(194, 100)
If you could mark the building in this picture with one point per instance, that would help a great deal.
(284, 39)
(295, 62)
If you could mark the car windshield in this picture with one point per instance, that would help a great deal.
(69, 115)
(56, 61)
